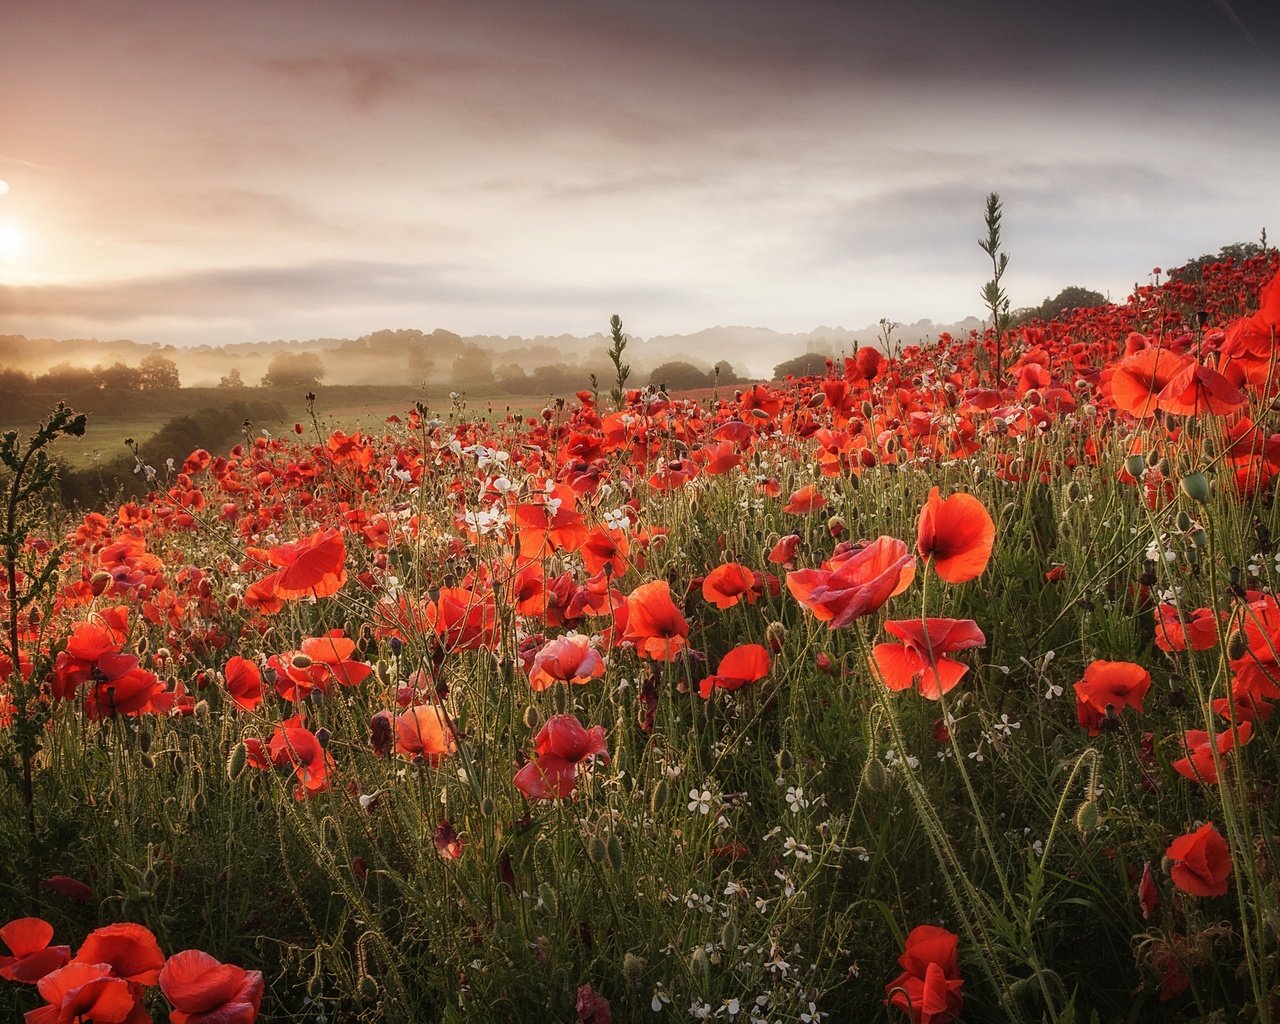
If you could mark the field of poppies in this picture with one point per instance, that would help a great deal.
(937, 688)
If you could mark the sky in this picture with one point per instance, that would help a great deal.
(186, 172)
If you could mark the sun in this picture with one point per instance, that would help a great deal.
(12, 242)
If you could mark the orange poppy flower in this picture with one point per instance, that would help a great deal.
(805, 501)
(854, 585)
(606, 547)
(728, 584)
(742, 665)
(1201, 862)
(203, 991)
(654, 623)
(423, 734)
(920, 660)
(955, 535)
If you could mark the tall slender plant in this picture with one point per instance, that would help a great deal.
(993, 294)
(621, 370)
(30, 473)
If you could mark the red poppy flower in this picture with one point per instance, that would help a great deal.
(562, 744)
(606, 547)
(310, 567)
(244, 682)
(1201, 862)
(423, 733)
(855, 584)
(294, 745)
(955, 535)
(921, 660)
(129, 949)
(1115, 684)
(1200, 630)
(728, 584)
(928, 989)
(203, 991)
(1148, 893)
(805, 501)
(1196, 390)
(71, 888)
(83, 992)
(1198, 765)
(463, 620)
(28, 938)
(654, 623)
(745, 664)
(784, 552)
(1135, 382)
(567, 659)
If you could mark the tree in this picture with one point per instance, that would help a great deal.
(118, 377)
(1071, 297)
(724, 373)
(810, 364)
(678, 375)
(158, 373)
(301, 370)
(231, 379)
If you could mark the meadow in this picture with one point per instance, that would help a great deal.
(935, 688)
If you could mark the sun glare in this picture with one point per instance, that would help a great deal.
(12, 242)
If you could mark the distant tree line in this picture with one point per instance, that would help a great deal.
(154, 373)
(1071, 297)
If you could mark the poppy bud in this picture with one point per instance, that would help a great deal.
(1086, 817)
(775, 634)
(824, 663)
(1177, 696)
(236, 762)
(1073, 490)
(368, 988)
(322, 737)
(614, 850)
(396, 645)
(1135, 466)
(596, 850)
(144, 740)
(148, 761)
(99, 582)
(835, 526)
(875, 775)
(1183, 521)
(658, 799)
(486, 807)
(729, 936)
(1199, 538)
(1196, 487)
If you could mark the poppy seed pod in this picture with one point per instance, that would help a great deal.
(632, 968)
(1135, 466)
(1183, 521)
(658, 799)
(1196, 487)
